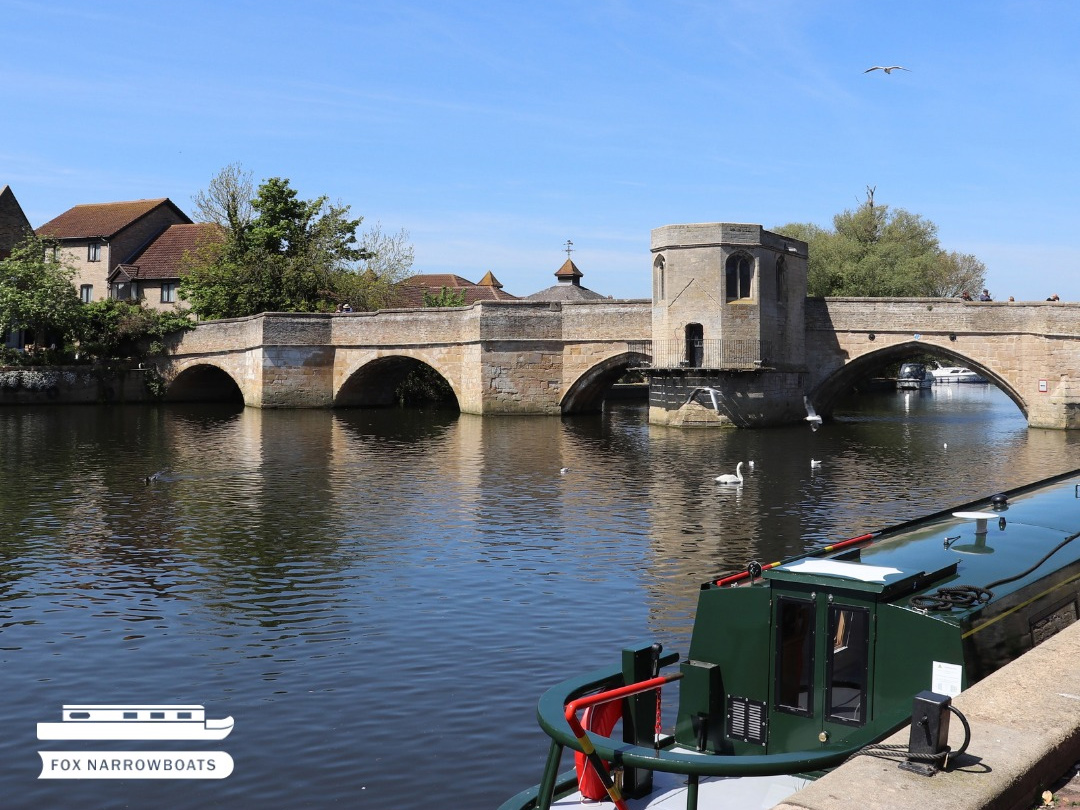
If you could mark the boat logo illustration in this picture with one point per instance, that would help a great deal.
(120, 722)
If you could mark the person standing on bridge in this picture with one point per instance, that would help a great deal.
(1053, 297)
(965, 296)
(985, 296)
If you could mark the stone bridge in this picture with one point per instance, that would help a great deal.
(521, 357)
(1030, 350)
(499, 357)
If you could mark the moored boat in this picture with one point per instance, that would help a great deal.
(956, 374)
(796, 665)
(121, 722)
(913, 376)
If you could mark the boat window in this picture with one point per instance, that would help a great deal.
(131, 715)
(847, 664)
(78, 715)
(157, 715)
(183, 715)
(795, 655)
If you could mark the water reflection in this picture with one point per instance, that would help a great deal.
(363, 590)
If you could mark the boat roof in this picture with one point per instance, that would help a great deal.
(976, 544)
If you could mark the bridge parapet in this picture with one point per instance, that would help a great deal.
(1031, 350)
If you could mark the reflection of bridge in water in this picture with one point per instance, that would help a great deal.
(522, 357)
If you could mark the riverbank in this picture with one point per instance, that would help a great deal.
(74, 385)
(1025, 739)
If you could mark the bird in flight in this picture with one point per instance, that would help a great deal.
(889, 69)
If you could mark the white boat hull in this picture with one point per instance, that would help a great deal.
(714, 793)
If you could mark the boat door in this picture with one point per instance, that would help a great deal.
(821, 669)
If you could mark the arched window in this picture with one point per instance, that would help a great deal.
(658, 268)
(737, 277)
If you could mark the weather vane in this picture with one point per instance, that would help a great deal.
(569, 247)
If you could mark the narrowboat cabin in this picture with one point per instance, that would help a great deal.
(793, 666)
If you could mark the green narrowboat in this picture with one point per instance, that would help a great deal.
(796, 665)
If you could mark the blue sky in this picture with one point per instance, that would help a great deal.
(494, 132)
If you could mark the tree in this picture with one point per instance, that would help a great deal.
(879, 252)
(446, 297)
(286, 254)
(112, 329)
(37, 293)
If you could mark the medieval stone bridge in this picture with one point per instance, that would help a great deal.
(521, 357)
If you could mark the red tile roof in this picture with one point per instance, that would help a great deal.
(162, 258)
(101, 219)
(410, 292)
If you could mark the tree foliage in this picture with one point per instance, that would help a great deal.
(446, 297)
(37, 292)
(876, 251)
(121, 329)
(285, 254)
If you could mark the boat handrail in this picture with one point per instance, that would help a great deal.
(607, 696)
(551, 715)
(733, 578)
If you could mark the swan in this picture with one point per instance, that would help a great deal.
(815, 463)
(564, 470)
(728, 478)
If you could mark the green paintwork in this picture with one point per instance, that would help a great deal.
(873, 649)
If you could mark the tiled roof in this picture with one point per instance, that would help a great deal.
(101, 219)
(567, 292)
(569, 270)
(161, 259)
(410, 293)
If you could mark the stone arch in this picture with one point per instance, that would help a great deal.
(586, 393)
(843, 379)
(203, 382)
(373, 383)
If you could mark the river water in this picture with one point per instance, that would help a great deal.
(378, 597)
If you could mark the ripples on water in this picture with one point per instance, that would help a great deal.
(378, 598)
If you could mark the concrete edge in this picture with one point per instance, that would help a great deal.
(1025, 734)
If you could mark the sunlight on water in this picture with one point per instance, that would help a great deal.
(378, 598)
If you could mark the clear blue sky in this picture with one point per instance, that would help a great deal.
(494, 132)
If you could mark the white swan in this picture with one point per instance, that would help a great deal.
(815, 463)
(728, 478)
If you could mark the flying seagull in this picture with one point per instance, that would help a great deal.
(889, 69)
(811, 415)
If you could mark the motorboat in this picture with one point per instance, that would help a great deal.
(956, 374)
(795, 666)
(126, 722)
(913, 376)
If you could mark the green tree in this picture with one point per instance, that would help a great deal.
(37, 293)
(876, 251)
(112, 329)
(446, 297)
(282, 253)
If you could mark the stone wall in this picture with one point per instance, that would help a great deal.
(60, 385)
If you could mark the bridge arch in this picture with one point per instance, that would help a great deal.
(842, 380)
(203, 382)
(586, 393)
(374, 383)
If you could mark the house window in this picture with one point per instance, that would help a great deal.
(86, 293)
(125, 291)
(781, 280)
(738, 277)
(93, 252)
(168, 292)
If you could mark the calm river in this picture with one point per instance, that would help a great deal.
(378, 597)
